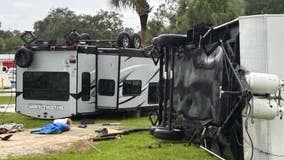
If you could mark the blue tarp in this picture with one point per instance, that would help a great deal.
(52, 128)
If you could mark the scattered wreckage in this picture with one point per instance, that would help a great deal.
(7, 130)
(221, 88)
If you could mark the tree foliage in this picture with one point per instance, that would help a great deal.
(264, 7)
(9, 40)
(192, 12)
(103, 25)
(161, 19)
(142, 8)
(183, 14)
(174, 16)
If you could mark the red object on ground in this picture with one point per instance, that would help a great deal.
(9, 63)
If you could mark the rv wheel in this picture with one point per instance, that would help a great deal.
(23, 57)
(85, 36)
(170, 40)
(123, 40)
(153, 128)
(135, 41)
(72, 37)
(164, 133)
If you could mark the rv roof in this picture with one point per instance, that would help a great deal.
(91, 49)
(234, 21)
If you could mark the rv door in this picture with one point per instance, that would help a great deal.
(108, 75)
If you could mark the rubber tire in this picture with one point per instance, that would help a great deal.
(23, 57)
(153, 128)
(164, 133)
(133, 38)
(85, 36)
(72, 37)
(170, 40)
(121, 38)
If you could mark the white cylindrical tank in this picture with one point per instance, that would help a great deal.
(264, 109)
(263, 83)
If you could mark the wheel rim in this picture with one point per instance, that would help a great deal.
(125, 41)
(137, 42)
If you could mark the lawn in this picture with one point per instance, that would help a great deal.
(7, 99)
(130, 147)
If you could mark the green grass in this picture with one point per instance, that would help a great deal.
(17, 118)
(130, 147)
(7, 99)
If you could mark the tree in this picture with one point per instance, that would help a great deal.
(160, 21)
(142, 8)
(181, 15)
(9, 40)
(58, 22)
(103, 25)
(192, 12)
(264, 7)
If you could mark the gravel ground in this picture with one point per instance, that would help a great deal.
(24, 143)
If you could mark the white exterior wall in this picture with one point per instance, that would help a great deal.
(43, 62)
(261, 50)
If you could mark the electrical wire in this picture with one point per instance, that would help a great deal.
(247, 132)
(250, 142)
(255, 148)
(9, 103)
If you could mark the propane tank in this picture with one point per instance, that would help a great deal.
(264, 109)
(263, 83)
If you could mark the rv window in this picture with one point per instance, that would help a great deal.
(153, 93)
(46, 86)
(106, 87)
(131, 87)
(86, 84)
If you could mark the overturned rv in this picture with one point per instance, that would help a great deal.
(55, 81)
(221, 88)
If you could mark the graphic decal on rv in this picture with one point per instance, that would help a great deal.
(123, 78)
(129, 99)
(92, 102)
(128, 58)
(93, 86)
(147, 83)
(132, 67)
(143, 89)
(46, 107)
(152, 76)
(139, 105)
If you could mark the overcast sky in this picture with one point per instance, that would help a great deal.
(21, 14)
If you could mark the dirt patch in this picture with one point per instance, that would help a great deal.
(24, 143)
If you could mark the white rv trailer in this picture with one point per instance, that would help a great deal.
(261, 50)
(261, 53)
(69, 81)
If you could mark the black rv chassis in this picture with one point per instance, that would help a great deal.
(202, 90)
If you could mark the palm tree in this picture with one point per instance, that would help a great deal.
(142, 8)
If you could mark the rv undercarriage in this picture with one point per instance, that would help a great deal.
(208, 95)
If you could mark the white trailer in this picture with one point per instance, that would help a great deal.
(261, 50)
(64, 81)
